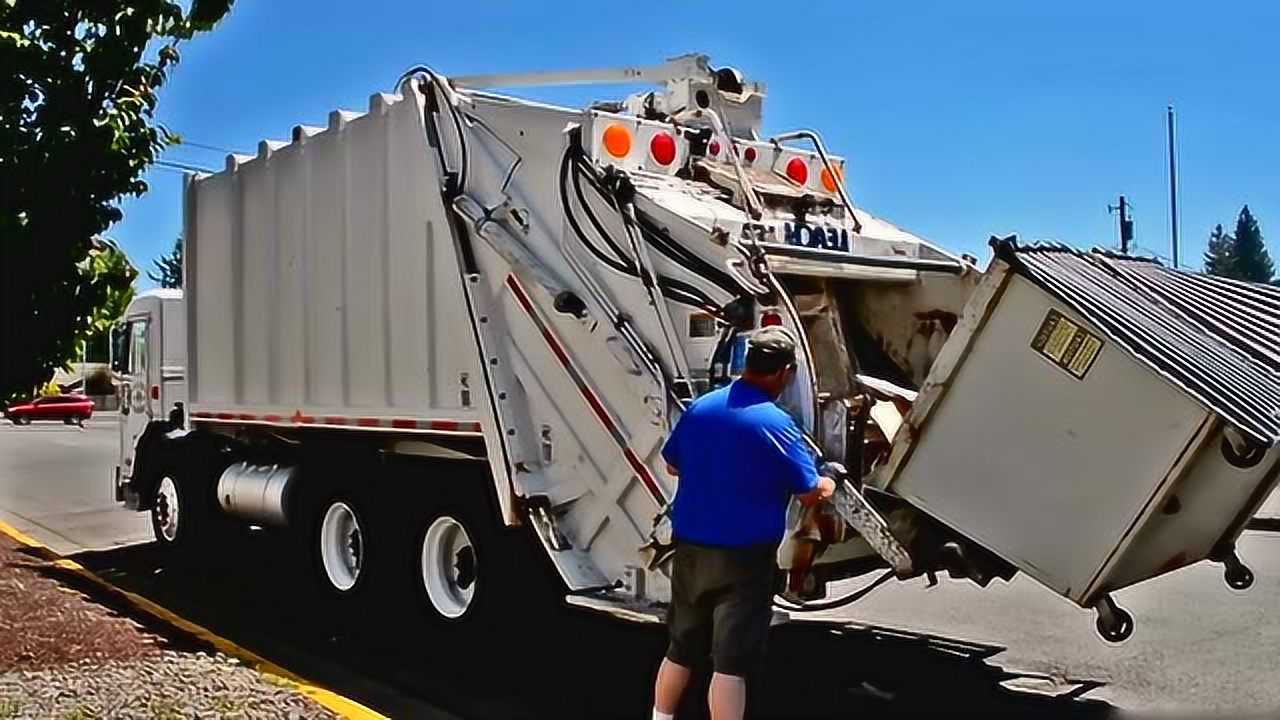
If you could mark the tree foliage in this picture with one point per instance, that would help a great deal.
(1219, 258)
(1241, 256)
(1252, 262)
(109, 275)
(168, 268)
(77, 131)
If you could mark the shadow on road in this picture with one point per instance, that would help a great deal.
(562, 663)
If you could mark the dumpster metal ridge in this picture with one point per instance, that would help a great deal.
(1216, 339)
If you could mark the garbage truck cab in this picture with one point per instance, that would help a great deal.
(149, 358)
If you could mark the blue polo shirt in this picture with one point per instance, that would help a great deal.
(740, 458)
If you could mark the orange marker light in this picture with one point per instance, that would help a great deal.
(617, 140)
(829, 180)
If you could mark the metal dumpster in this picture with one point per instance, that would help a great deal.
(1097, 420)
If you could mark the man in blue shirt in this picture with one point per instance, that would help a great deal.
(740, 458)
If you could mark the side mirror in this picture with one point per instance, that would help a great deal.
(120, 348)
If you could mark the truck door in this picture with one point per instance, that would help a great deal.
(136, 405)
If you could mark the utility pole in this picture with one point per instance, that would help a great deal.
(1126, 225)
(1173, 191)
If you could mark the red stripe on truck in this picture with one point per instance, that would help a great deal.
(597, 407)
(342, 421)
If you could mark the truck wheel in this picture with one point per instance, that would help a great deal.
(175, 514)
(449, 569)
(468, 567)
(340, 546)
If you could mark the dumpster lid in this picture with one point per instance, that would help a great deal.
(1216, 339)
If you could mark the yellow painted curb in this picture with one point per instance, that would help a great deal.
(343, 706)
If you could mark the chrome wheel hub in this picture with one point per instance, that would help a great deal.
(449, 567)
(341, 546)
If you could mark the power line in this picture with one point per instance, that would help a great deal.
(214, 148)
(170, 164)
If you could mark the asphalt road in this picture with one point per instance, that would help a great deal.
(1198, 647)
(55, 485)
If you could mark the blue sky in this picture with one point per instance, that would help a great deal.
(959, 119)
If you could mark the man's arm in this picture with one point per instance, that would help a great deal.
(798, 464)
(825, 489)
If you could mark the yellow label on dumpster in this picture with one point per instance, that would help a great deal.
(1068, 345)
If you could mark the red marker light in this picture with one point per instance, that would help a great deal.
(663, 148)
(798, 171)
(769, 318)
(714, 147)
(749, 155)
(155, 392)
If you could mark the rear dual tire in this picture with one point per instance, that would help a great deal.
(453, 568)
(356, 552)
(340, 551)
(473, 575)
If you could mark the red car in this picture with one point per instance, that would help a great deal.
(70, 409)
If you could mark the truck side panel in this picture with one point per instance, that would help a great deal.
(328, 286)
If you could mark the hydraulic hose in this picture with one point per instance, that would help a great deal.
(805, 607)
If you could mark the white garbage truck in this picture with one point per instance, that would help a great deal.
(461, 320)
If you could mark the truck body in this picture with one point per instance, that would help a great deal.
(462, 319)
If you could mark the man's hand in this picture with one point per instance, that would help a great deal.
(825, 489)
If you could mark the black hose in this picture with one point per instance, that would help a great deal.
(663, 243)
(463, 153)
(595, 221)
(613, 262)
(684, 257)
(839, 602)
(673, 289)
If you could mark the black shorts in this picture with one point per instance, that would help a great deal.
(721, 606)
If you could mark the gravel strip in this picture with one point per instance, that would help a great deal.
(170, 685)
(62, 655)
(44, 622)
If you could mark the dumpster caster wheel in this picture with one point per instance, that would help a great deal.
(1114, 624)
(1238, 577)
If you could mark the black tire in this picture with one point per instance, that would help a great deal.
(21, 420)
(193, 465)
(182, 537)
(509, 579)
(316, 542)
